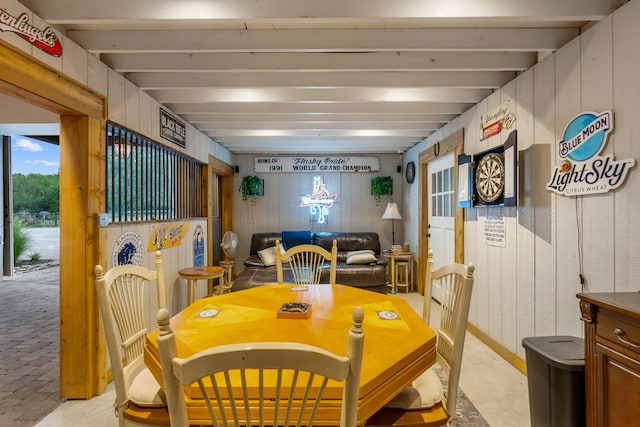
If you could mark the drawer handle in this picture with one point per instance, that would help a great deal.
(621, 336)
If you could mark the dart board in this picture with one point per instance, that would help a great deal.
(490, 177)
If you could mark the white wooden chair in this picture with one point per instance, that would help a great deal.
(425, 403)
(122, 292)
(222, 373)
(307, 263)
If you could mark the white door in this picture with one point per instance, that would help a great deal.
(442, 212)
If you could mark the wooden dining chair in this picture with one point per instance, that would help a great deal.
(224, 375)
(307, 263)
(424, 402)
(122, 292)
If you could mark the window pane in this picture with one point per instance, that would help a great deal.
(445, 176)
(452, 179)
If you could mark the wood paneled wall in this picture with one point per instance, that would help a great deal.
(528, 288)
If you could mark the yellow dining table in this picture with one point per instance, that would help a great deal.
(398, 344)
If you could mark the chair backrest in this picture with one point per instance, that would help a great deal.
(122, 300)
(456, 282)
(225, 376)
(307, 263)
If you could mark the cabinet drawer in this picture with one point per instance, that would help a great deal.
(624, 333)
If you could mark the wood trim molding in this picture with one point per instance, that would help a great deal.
(447, 144)
(458, 253)
(82, 183)
(22, 77)
(454, 142)
(502, 351)
(219, 167)
(224, 170)
(587, 311)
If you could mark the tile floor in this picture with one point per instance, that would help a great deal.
(495, 387)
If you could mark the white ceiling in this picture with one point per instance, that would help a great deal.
(322, 76)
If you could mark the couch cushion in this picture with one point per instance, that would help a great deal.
(295, 238)
(253, 261)
(268, 256)
(348, 241)
(260, 241)
(361, 257)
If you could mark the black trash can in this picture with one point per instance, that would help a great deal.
(555, 376)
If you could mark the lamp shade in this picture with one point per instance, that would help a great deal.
(391, 212)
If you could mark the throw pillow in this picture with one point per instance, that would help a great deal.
(361, 257)
(268, 256)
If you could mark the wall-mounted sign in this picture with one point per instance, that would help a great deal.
(167, 235)
(317, 164)
(173, 129)
(494, 230)
(46, 40)
(583, 170)
(319, 201)
(494, 121)
(198, 246)
(128, 249)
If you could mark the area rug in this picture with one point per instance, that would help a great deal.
(468, 414)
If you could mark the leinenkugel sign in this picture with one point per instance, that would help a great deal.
(316, 164)
(44, 39)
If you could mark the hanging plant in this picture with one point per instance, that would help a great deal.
(250, 188)
(381, 186)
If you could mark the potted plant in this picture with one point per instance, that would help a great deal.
(250, 188)
(381, 186)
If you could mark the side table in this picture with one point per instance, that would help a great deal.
(193, 274)
(401, 262)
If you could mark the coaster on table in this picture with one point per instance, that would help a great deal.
(209, 312)
(388, 315)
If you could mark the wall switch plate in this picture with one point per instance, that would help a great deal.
(103, 220)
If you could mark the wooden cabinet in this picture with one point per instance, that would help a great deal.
(612, 357)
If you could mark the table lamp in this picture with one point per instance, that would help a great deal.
(392, 213)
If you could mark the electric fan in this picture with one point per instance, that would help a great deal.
(229, 244)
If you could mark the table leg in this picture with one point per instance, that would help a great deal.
(411, 284)
(221, 285)
(189, 291)
(393, 276)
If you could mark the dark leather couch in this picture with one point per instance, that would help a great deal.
(366, 276)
